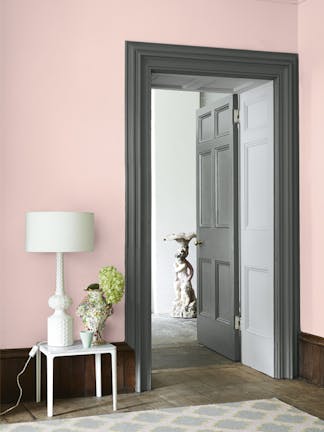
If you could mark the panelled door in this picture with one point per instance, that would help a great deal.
(257, 228)
(217, 219)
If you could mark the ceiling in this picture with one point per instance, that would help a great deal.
(203, 83)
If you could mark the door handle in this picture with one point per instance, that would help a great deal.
(198, 243)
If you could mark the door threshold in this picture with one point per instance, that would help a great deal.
(215, 366)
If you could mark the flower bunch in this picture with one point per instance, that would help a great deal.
(112, 284)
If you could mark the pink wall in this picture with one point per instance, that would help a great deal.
(64, 127)
(311, 59)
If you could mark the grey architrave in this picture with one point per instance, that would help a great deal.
(141, 60)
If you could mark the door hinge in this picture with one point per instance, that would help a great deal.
(237, 322)
(236, 116)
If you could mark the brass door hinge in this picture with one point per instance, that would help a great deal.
(236, 116)
(237, 322)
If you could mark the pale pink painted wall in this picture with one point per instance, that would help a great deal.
(311, 63)
(64, 125)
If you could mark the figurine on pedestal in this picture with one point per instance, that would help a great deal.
(185, 303)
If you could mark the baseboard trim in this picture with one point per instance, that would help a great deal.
(73, 376)
(311, 358)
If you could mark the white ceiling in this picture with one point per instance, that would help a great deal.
(203, 83)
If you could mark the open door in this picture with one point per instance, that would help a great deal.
(217, 227)
(257, 228)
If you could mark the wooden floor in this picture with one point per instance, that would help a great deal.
(183, 387)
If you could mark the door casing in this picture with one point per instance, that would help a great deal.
(142, 59)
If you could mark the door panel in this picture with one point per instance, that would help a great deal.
(223, 186)
(257, 206)
(207, 297)
(206, 127)
(223, 121)
(257, 209)
(205, 189)
(223, 280)
(218, 290)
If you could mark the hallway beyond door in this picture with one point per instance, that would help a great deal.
(175, 345)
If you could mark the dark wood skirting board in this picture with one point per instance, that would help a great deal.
(73, 376)
(311, 358)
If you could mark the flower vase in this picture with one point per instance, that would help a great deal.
(94, 310)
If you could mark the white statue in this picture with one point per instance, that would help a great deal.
(185, 303)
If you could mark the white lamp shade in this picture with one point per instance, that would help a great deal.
(59, 231)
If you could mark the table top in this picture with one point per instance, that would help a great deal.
(75, 349)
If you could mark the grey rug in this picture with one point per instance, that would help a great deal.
(269, 415)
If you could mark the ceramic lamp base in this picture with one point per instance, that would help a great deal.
(60, 329)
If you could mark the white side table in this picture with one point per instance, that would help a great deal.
(74, 350)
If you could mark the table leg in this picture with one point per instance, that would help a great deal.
(50, 362)
(38, 375)
(114, 378)
(98, 375)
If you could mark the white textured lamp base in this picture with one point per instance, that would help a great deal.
(60, 329)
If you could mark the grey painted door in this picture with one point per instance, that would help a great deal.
(217, 229)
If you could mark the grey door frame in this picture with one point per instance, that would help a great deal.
(142, 59)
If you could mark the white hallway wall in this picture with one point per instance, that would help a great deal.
(173, 186)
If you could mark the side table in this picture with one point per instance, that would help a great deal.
(74, 350)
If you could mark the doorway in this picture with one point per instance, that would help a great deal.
(173, 143)
(175, 101)
(196, 184)
(145, 59)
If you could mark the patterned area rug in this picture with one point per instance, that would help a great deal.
(269, 415)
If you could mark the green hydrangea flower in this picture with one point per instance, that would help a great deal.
(112, 284)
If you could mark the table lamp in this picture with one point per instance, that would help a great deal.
(59, 232)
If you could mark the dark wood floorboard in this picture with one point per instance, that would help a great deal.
(190, 386)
